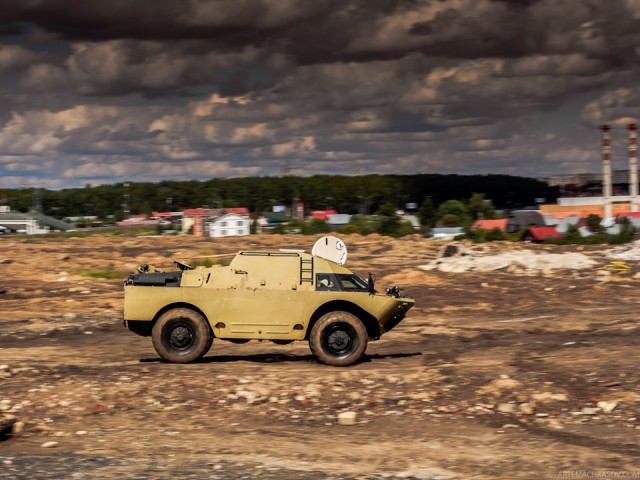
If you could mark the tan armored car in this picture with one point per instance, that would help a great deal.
(281, 296)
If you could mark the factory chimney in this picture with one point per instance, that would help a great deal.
(606, 172)
(633, 168)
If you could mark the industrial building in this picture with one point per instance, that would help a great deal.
(609, 203)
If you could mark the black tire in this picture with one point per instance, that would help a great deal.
(181, 336)
(338, 338)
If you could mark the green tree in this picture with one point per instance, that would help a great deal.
(427, 213)
(593, 223)
(627, 231)
(316, 226)
(450, 220)
(481, 208)
(572, 235)
(496, 234)
(453, 213)
(389, 220)
(362, 224)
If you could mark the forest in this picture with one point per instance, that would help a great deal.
(363, 194)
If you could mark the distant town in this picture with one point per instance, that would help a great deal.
(564, 208)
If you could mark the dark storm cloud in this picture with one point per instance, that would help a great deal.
(146, 89)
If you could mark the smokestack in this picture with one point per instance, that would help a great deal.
(633, 168)
(606, 172)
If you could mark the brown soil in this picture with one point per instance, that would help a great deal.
(490, 375)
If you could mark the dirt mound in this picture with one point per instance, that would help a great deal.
(525, 262)
(630, 251)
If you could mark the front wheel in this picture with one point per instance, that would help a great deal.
(338, 338)
(181, 336)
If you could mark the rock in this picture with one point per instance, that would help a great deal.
(590, 411)
(549, 397)
(18, 427)
(6, 424)
(500, 384)
(450, 250)
(506, 408)
(49, 444)
(248, 395)
(347, 418)
(526, 409)
(607, 407)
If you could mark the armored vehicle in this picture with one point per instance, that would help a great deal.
(282, 296)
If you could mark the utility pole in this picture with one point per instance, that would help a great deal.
(37, 200)
(125, 202)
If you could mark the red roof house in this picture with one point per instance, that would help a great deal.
(238, 210)
(500, 224)
(196, 212)
(322, 214)
(539, 234)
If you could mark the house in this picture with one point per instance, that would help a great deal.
(540, 234)
(338, 220)
(31, 223)
(85, 220)
(523, 219)
(564, 224)
(166, 218)
(500, 224)
(269, 220)
(322, 214)
(137, 220)
(242, 211)
(411, 220)
(193, 219)
(228, 225)
(446, 233)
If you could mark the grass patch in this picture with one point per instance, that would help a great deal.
(137, 231)
(106, 274)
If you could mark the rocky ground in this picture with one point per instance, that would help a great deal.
(527, 371)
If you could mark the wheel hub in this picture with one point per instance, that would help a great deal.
(339, 340)
(181, 337)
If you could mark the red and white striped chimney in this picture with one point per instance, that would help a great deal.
(633, 168)
(606, 172)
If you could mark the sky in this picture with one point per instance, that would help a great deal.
(145, 90)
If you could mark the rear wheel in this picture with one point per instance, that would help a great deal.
(338, 338)
(181, 336)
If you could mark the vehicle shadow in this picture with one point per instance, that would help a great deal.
(255, 358)
(282, 358)
(384, 356)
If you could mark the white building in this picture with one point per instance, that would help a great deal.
(446, 233)
(30, 223)
(228, 225)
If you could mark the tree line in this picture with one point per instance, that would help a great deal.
(365, 194)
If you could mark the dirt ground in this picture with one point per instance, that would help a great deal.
(491, 375)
